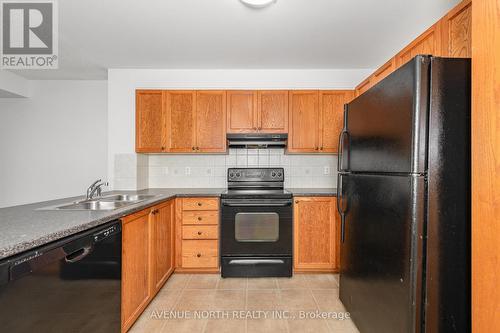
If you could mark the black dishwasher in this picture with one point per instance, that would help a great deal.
(71, 285)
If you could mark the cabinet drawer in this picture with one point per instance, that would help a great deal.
(200, 217)
(200, 232)
(200, 204)
(199, 253)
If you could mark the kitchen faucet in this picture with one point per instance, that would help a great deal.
(95, 189)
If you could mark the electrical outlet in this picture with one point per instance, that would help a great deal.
(188, 171)
(326, 170)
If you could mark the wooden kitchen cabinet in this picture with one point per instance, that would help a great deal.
(150, 115)
(136, 268)
(180, 121)
(148, 257)
(304, 118)
(427, 43)
(316, 120)
(456, 29)
(264, 111)
(210, 121)
(162, 244)
(241, 111)
(332, 118)
(316, 237)
(197, 234)
(272, 111)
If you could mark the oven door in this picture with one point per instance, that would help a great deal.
(253, 227)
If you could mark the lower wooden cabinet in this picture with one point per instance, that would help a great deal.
(316, 236)
(197, 243)
(147, 258)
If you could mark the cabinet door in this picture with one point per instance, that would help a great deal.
(456, 29)
(181, 118)
(272, 111)
(332, 118)
(211, 121)
(383, 71)
(315, 234)
(149, 121)
(162, 244)
(241, 111)
(136, 292)
(427, 43)
(304, 121)
(364, 85)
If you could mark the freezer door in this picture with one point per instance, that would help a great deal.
(381, 254)
(387, 125)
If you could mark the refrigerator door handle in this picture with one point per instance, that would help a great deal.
(340, 207)
(341, 151)
(339, 192)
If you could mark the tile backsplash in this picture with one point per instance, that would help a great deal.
(211, 170)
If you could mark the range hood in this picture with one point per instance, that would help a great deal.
(256, 140)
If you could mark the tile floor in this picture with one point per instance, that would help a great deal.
(207, 303)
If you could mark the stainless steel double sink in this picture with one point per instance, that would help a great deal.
(109, 202)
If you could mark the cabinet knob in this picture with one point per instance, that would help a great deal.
(296, 201)
(199, 204)
(321, 148)
(162, 148)
(199, 218)
(199, 233)
(316, 148)
(197, 148)
(193, 148)
(198, 255)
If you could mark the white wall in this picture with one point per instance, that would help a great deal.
(121, 100)
(53, 144)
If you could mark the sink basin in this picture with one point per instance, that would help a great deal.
(93, 205)
(128, 197)
(110, 202)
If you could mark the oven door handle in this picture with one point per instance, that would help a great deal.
(257, 204)
(255, 261)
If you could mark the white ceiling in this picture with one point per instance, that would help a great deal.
(95, 35)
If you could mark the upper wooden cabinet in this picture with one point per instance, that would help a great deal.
(332, 117)
(180, 121)
(241, 111)
(427, 43)
(456, 29)
(272, 111)
(211, 121)
(316, 120)
(316, 236)
(250, 111)
(149, 121)
(304, 117)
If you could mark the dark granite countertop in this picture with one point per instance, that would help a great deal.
(26, 227)
(313, 192)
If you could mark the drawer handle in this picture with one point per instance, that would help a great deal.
(199, 204)
(198, 255)
(199, 233)
(199, 218)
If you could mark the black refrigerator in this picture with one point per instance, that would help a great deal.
(404, 200)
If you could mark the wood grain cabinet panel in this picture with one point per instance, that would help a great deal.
(383, 71)
(272, 113)
(136, 273)
(315, 234)
(456, 28)
(427, 43)
(180, 122)
(200, 204)
(162, 244)
(364, 86)
(304, 117)
(200, 232)
(211, 121)
(149, 121)
(241, 111)
(332, 117)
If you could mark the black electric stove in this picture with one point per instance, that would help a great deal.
(256, 227)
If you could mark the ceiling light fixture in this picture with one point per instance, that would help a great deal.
(257, 3)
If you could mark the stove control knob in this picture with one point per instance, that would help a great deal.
(238, 175)
(279, 174)
(231, 175)
(273, 174)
